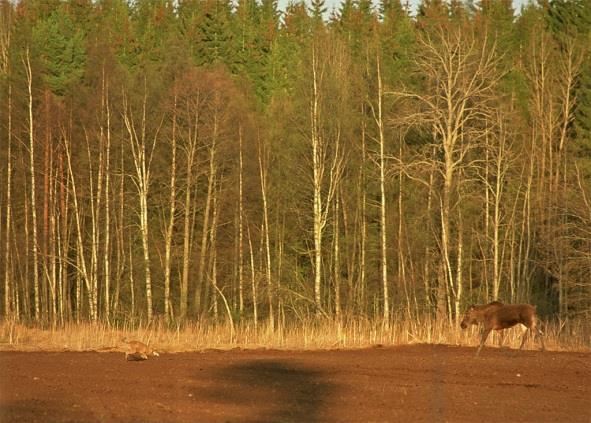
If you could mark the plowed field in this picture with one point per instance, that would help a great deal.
(431, 383)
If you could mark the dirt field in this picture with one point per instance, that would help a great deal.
(400, 384)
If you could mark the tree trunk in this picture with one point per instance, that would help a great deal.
(45, 309)
(363, 241)
(253, 281)
(81, 264)
(187, 232)
(337, 262)
(382, 166)
(263, 175)
(170, 228)
(107, 227)
(29, 73)
(401, 258)
(8, 301)
(240, 228)
(142, 160)
(213, 243)
(205, 229)
(317, 182)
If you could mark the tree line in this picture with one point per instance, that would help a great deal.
(212, 160)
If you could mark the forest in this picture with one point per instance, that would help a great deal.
(213, 161)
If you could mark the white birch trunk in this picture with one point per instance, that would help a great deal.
(240, 227)
(8, 303)
(169, 229)
(29, 72)
(107, 227)
(142, 160)
(83, 271)
(213, 243)
(205, 227)
(317, 181)
(253, 281)
(263, 175)
(337, 262)
(187, 231)
(382, 166)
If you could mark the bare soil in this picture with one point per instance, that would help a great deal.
(433, 383)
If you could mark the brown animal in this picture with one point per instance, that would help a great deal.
(136, 350)
(498, 316)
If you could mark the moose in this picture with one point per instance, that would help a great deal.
(498, 316)
(137, 351)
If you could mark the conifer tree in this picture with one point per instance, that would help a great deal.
(215, 40)
(60, 45)
(317, 10)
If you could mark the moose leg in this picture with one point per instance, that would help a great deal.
(483, 337)
(540, 336)
(523, 339)
(501, 338)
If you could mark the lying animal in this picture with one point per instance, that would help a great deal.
(136, 350)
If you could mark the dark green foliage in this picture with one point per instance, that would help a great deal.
(569, 19)
(60, 46)
(570, 24)
(215, 37)
(583, 116)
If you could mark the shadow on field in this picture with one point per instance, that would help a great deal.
(270, 391)
(42, 411)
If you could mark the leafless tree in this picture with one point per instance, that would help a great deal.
(460, 73)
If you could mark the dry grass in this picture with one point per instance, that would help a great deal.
(324, 334)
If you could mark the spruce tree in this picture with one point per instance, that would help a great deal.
(60, 45)
(215, 42)
(570, 24)
(317, 10)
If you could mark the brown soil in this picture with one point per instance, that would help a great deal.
(398, 384)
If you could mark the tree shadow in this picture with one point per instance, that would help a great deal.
(269, 391)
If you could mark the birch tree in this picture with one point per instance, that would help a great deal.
(82, 275)
(142, 149)
(460, 72)
(327, 160)
(190, 113)
(378, 116)
(552, 68)
(171, 216)
(262, 156)
(106, 110)
(240, 223)
(33, 193)
(5, 38)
